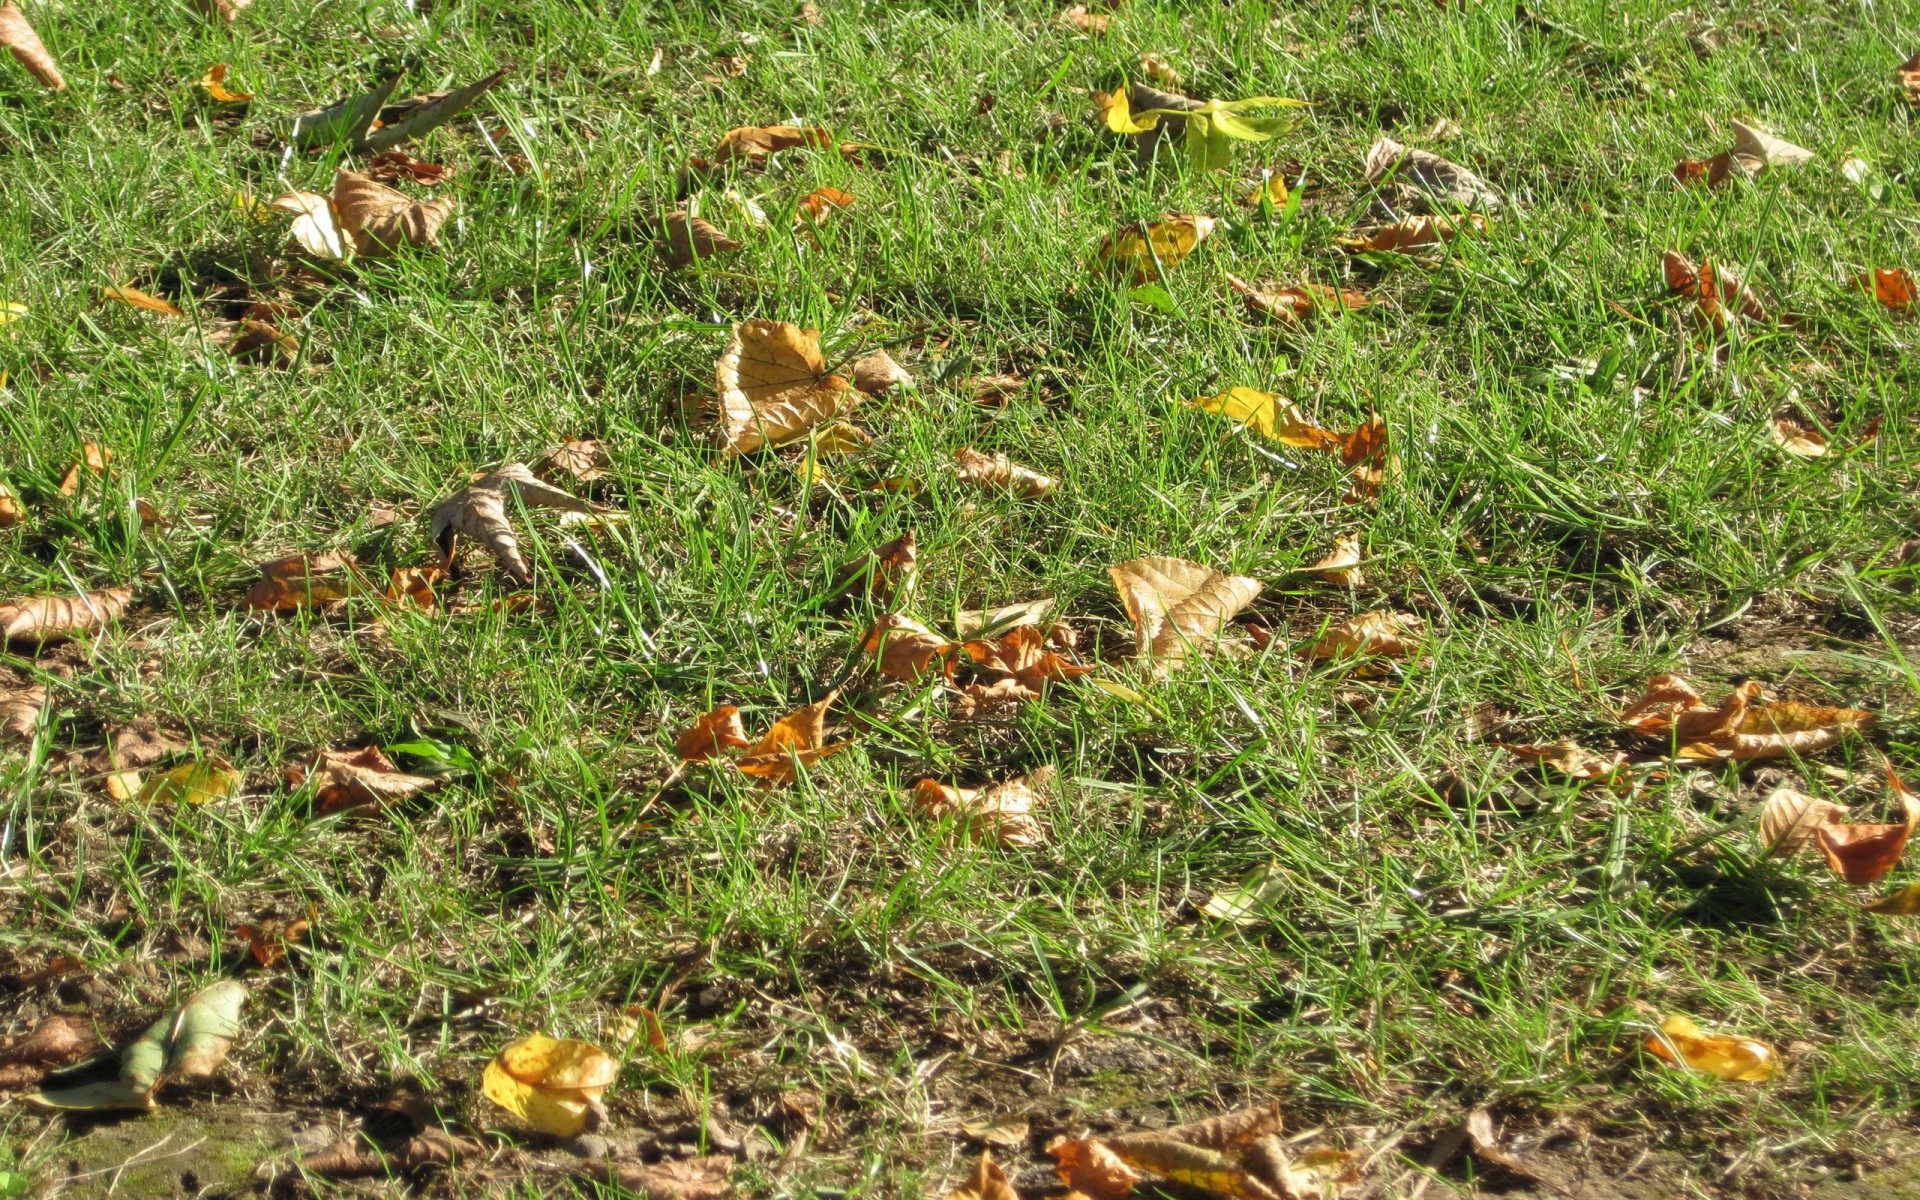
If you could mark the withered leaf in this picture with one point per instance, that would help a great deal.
(1022, 654)
(479, 511)
(18, 36)
(1741, 1060)
(774, 386)
(344, 121)
(1903, 903)
(1788, 820)
(225, 10)
(1863, 854)
(1003, 813)
(11, 512)
(269, 939)
(1715, 291)
(1080, 17)
(903, 648)
(1383, 634)
(877, 372)
(52, 618)
(56, 1041)
(21, 705)
(1001, 473)
(355, 778)
(754, 143)
(214, 84)
(1412, 233)
(1436, 181)
(1090, 1169)
(392, 166)
(816, 205)
(1275, 416)
(1797, 439)
(704, 1178)
(581, 460)
(1143, 253)
(686, 239)
(1907, 76)
(988, 1182)
(316, 226)
(1341, 565)
(1178, 605)
(1742, 727)
(712, 733)
(885, 576)
(133, 296)
(1573, 760)
(298, 581)
(1295, 302)
(797, 739)
(381, 220)
(91, 458)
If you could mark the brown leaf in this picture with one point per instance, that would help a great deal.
(903, 648)
(262, 343)
(225, 10)
(354, 778)
(1411, 233)
(268, 940)
(669, 1179)
(774, 386)
(1176, 604)
(886, 575)
(800, 735)
(1022, 654)
(581, 460)
(1714, 290)
(754, 143)
(1003, 813)
(20, 709)
(686, 239)
(1295, 302)
(1863, 854)
(711, 733)
(56, 1041)
(355, 1157)
(1089, 1168)
(1485, 1141)
(19, 37)
(1155, 68)
(1740, 727)
(53, 618)
(413, 587)
(316, 581)
(810, 13)
(128, 294)
(877, 372)
(1228, 1131)
(1796, 439)
(1086, 21)
(816, 205)
(1908, 77)
(479, 511)
(1436, 181)
(1341, 565)
(1001, 473)
(1199, 1167)
(11, 512)
(995, 391)
(380, 219)
(91, 459)
(1573, 760)
(989, 1182)
(391, 166)
(1388, 634)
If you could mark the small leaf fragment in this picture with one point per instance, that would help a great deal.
(1736, 1059)
(193, 783)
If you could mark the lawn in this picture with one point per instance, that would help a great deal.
(1590, 478)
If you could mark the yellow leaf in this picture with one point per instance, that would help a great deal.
(1141, 256)
(551, 1083)
(1903, 903)
(774, 386)
(559, 1114)
(214, 84)
(10, 311)
(1741, 1060)
(194, 783)
(1275, 416)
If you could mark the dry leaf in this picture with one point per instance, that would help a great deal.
(1757, 149)
(381, 220)
(1143, 255)
(581, 460)
(702, 1178)
(479, 511)
(1155, 68)
(1008, 1131)
(19, 37)
(1086, 21)
(1796, 439)
(1574, 760)
(1485, 1141)
(1022, 655)
(128, 294)
(1003, 813)
(355, 778)
(754, 143)
(886, 575)
(877, 372)
(712, 733)
(903, 648)
(412, 587)
(1863, 854)
(1908, 77)
(315, 226)
(810, 13)
(56, 1041)
(1275, 416)
(52, 618)
(996, 391)
(1411, 233)
(20, 709)
(299, 581)
(1388, 634)
(686, 239)
(815, 205)
(11, 513)
(999, 472)
(1738, 1059)
(214, 84)
(91, 459)
(1714, 290)
(1893, 289)
(269, 940)
(1087, 1167)
(1438, 182)
(1789, 819)
(1295, 302)
(1741, 727)
(774, 386)
(1341, 565)
(553, 1084)
(257, 341)
(392, 166)
(797, 739)
(989, 1182)
(1903, 903)
(226, 10)
(1176, 604)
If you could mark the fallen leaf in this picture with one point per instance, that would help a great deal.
(1145, 252)
(21, 706)
(1085, 20)
(53, 618)
(1485, 1141)
(1021, 654)
(885, 576)
(1863, 854)
(479, 511)
(1789, 819)
(413, 587)
(1276, 417)
(1796, 439)
(581, 460)
(381, 220)
(1411, 233)
(1714, 290)
(1383, 634)
(192, 783)
(817, 204)
(345, 120)
(91, 459)
(1894, 289)
(18, 36)
(1155, 68)
(902, 648)
(269, 940)
(989, 1182)
(1341, 565)
(56, 1041)
(1252, 900)
(877, 372)
(11, 512)
(128, 294)
(810, 13)
(754, 143)
(189, 1043)
(357, 1157)
(256, 341)
(1738, 1059)
(1438, 182)
(226, 10)
(686, 239)
(1573, 760)
(1089, 1168)
(774, 386)
(1295, 302)
(316, 581)
(416, 117)
(1737, 728)
(1002, 813)
(795, 740)
(1907, 76)
(1177, 605)
(702, 1178)
(996, 390)
(1007, 1131)
(354, 778)
(1757, 149)
(712, 733)
(980, 622)
(1903, 903)
(552, 1084)
(392, 166)
(1000, 473)
(315, 226)
(214, 84)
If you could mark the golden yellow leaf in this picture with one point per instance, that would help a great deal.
(380, 220)
(797, 739)
(10, 312)
(194, 783)
(1176, 605)
(1140, 255)
(1903, 903)
(1738, 1059)
(52, 618)
(710, 734)
(18, 36)
(1275, 416)
(91, 459)
(1789, 819)
(1001, 473)
(128, 294)
(214, 84)
(774, 386)
(551, 1083)
(1387, 634)
(1341, 565)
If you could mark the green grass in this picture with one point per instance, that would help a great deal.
(1456, 930)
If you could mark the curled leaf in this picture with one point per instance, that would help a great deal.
(1789, 819)
(315, 226)
(988, 1182)
(884, 576)
(1741, 727)
(817, 204)
(214, 84)
(754, 143)
(298, 581)
(1003, 813)
(1001, 473)
(1295, 302)
(1796, 439)
(53, 618)
(1863, 854)
(1089, 1168)
(479, 511)
(1438, 182)
(355, 778)
(1737, 1059)
(1573, 760)
(129, 295)
(1341, 565)
(774, 386)
(1178, 605)
(711, 734)
(795, 740)
(1385, 634)
(415, 118)
(381, 220)
(903, 648)
(553, 1084)
(1412, 233)
(1276, 417)
(193, 783)
(686, 239)
(19, 38)
(877, 372)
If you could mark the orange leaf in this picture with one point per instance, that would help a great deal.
(128, 294)
(815, 205)
(1741, 1060)
(1089, 1168)
(795, 740)
(711, 733)
(214, 84)
(989, 1182)
(1892, 288)
(1863, 854)
(903, 648)
(92, 458)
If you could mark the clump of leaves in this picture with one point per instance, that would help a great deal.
(1211, 127)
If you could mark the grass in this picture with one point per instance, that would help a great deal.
(1455, 930)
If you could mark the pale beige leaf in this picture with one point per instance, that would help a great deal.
(1388, 634)
(314, 226)
(20, 709)
(1757, 149)
(1789, 819)
(18, 36)
(353, 778)
(877, 373)
(1001, 473)
(1176, 604)
(1442, 184)
(981, 622)
(479, 511)
(51, 618)
(774, 386)
(380, 219)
